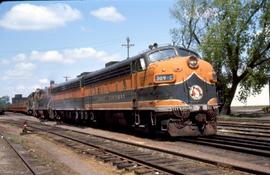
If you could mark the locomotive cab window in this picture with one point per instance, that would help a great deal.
(162, 54)
(138, 65)
(184, 52)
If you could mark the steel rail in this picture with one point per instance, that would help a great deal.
(19, 155)
(244, 120)
(245, 125)
(260, 131)
(242, 139)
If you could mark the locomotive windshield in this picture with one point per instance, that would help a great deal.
(162, 54)
(185, 52)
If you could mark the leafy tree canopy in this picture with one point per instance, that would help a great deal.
(233, 35)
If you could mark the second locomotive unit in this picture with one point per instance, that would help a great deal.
(164, 89)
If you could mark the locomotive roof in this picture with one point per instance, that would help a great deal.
(114, 66)
(125, 62)
(67, 82)
(111, 67)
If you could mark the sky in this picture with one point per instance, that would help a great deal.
(42, 41)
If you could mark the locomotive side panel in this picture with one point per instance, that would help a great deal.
(20, 107)
(71, 99)
(113, 94)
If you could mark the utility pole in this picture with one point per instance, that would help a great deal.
(66, 78)
(128, 45)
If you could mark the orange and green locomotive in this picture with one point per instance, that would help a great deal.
(164, 89)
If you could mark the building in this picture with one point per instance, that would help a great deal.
(262, 99)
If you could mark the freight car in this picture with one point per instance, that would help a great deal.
(19, 107)
(19, 104)
(165, 89)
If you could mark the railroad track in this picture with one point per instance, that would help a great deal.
(246, 125)
(240, 144)
(245, 128)
(20, 156)
(32, 165)
(142, 159)
(244, 120)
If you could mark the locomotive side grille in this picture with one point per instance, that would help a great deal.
(124, 70)
(65, 87)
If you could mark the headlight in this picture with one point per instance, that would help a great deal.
(193, 62)
(164, 78)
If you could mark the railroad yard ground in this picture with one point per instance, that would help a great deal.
(57, 157)
(54, 157)
(246, 112)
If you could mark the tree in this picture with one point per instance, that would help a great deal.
(234, 36)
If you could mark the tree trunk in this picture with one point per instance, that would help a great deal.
(226, 109)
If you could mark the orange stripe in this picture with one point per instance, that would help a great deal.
(77, 93)
(141, 104)
(109, 105)
(213, 101)
(161, 103)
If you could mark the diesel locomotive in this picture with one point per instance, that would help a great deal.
(166, 89)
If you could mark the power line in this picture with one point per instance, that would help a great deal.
(128, 45)
(66, 78)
